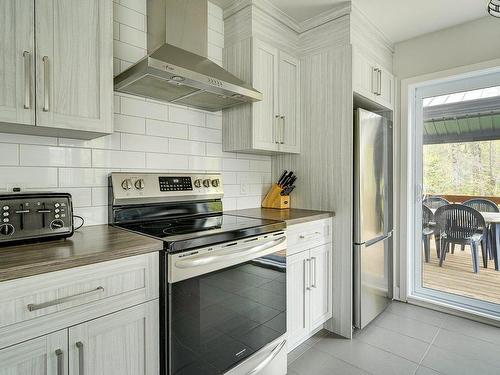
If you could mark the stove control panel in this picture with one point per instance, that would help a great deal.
(35, 216)
(158, 187)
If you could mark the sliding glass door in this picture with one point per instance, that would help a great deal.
(457, 202)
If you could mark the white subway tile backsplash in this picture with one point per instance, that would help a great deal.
(149, 136)
(166, 129)
(118, 159)
(146, 143)
(83, 177)
(130, 124)
(205, 134)
(180, 146)
(27, 177)
(167, 162)
(49, 156)
(186, 116)
(9, 154)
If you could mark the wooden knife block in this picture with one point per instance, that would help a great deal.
(274, 199)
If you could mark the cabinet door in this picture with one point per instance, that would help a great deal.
(386, 97)
(16, 62)
(289, 103)
(123, 343)
(265, 80)
(321, 290)
(364, 76)
(297, 310)
(74, 64)
(40, 356)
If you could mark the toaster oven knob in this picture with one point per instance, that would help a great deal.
(206, 183)
(127, 184)
(7, 229)
(215, 183)
(139, 184)
(56, 224)
(197, 183)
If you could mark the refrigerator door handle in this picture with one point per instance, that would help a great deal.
(378, 239)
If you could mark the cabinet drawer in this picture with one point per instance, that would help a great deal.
(81, 291)
(307, 235)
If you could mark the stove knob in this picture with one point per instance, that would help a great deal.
(215, 183)
(139, 184)
(56, 224)
(206, 183)
(197, 183)
(7, 229)
(127, 184)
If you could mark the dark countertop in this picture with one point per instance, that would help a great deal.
(92, 244)
(290, 216)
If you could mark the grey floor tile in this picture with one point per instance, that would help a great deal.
(469, 347)
(367, 357)
(450, 363)
(407, 326)
(474, 329)
(426, 371)
(418, 313)
(316, 362)
(394, 342)
(297, 352)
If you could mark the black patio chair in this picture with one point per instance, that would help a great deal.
(461, 225)
(483, 205)
(427, 232)
(435, 202)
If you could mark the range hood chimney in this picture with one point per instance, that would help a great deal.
(176, 68)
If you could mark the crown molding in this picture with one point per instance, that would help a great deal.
(375, 32)
(339, 10)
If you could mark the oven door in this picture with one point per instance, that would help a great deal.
(225, 304)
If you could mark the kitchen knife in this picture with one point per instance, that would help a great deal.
(292, 180)
(287, 178)
(280, 181)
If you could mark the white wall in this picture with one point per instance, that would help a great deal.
(461, 45)
(149, 136)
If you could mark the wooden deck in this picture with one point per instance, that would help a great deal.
(456, 276)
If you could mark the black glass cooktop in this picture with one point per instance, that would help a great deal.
(180, 234)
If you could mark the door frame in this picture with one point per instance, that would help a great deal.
(407, 188)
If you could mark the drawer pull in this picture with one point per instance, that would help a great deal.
(34, 307)
(60, 362)
(310, 235)
(81, 369)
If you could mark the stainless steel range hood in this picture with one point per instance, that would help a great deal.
(176, 68)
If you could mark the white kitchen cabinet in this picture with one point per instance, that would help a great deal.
(58, 68)
(273, 124)
(17, 43)
(123, 343)
(309, 291)
(372, 81)
(41, 356)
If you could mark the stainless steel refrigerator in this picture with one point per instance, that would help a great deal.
(372, 243)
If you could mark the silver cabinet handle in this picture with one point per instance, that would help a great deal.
(268, 359)
(34, 307)
(379, 82)
(374, 80)
(313, 263)
(27, 79)
(309, 235)
(276, 129)
(282, 141)
(81, 367)
(307, 278)
(60, 362)
(46, 91)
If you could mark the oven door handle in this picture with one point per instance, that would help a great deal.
(223, 256)
(268, 359)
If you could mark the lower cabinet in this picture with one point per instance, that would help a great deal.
(123, 343)
(309, 292)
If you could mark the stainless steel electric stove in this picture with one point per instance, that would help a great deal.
(223, 277)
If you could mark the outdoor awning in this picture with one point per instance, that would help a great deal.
(462, 121)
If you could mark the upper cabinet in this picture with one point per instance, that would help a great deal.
(273, 124)
(56, 77)
(372, 81)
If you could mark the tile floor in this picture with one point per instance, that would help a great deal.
(404, 340)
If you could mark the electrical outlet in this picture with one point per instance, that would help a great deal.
(245, 188)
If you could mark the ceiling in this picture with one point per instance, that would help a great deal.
(398, 19)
